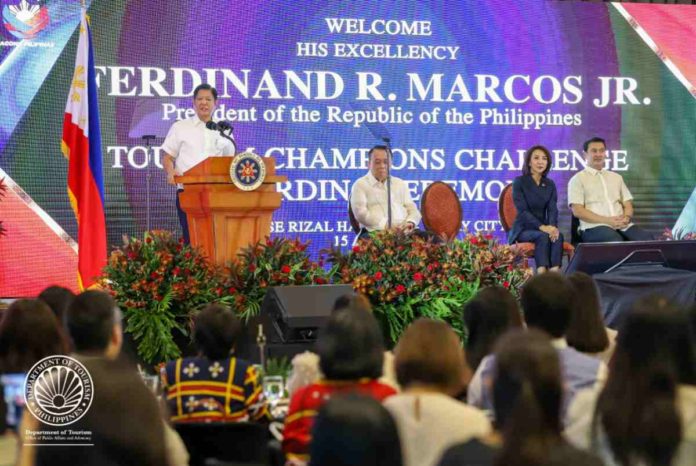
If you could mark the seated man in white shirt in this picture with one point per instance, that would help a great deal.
(601, 201)
(189, 142)
(368, 198)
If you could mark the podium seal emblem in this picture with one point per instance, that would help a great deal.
(247, 171)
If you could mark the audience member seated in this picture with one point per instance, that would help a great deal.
(305, 366)
(527, 394)
(586, 331)
(646, 412)
(431, 369)
(547, 302)
(29, 332)
(601, 201)
(351, 353)
(488, 315)
(58, 298)
(214, 386)
(354, 430)
(93, 322)
(124, 422)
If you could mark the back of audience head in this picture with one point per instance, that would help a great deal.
(58, 299)
(124, 420)
(350, 346)
(94, 323)
(527, 394)
(216, 331)
(429, 354)
(29, 332)
(354, 430)
(355, 301)
(487, 316)
(638, 406)
(586, 331)
(547, 301)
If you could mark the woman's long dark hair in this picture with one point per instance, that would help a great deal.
(527, 394)
(637, 407)
(487, 316)
(586, 332)
(354, 430)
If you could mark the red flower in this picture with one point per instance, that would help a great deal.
(148, 240)
(510, 268)
(176, 271)
(356, 248)
(252, 268)
(506, 284)
(285, 269)
(181, 240)
(377, 276)
(488, 236)
(187, 255)
(473, 240)
(319, 281)
(132, 255)
(232, 290)
(154, 276)
(269, 242)
(399, 289)
(417, 276)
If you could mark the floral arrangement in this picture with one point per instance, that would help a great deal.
(158, 282)
(3, 188)
(406, 277)
(271, 262)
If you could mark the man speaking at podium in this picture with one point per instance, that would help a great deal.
(368, 199)
(189, 142)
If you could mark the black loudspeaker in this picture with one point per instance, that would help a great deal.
(297, 312)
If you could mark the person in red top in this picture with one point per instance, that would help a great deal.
(351, 351)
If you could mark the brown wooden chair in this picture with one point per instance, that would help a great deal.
(441, 210)
(353, 221)
(507, 212)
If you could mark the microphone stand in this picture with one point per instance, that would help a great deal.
(387, 141)
(148, 175)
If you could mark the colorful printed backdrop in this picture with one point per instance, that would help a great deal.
(461, 88)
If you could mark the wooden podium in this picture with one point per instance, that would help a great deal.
(222, 218)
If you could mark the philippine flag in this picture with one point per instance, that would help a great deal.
(81, 145)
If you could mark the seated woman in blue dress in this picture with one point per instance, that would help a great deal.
(215, 386)
(535, 197)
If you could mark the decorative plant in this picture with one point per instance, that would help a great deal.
(406, 277)
(278, 366)
(272, 262)
(159, 282)
(3, 188)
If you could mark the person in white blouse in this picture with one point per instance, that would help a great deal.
(368, 198)
(189, 142)
(601, 201)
